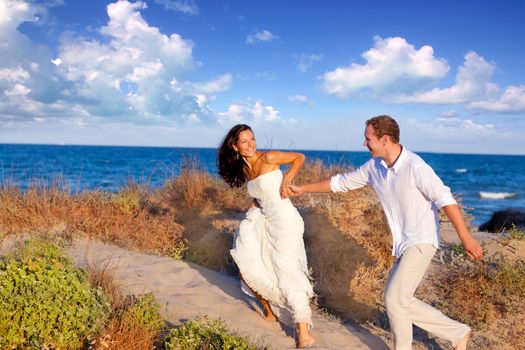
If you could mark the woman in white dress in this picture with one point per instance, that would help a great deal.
(269, 248)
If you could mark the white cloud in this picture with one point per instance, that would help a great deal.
(134, 72)
(193, 118)
(26, 61)
(235, 114)
(307, 60)
(449, 114)
(13, 12)
(184, 6)
(263, 35)
(473, 81)
(211, 87)
(392, 65)
(28, 79)
(298, 98)
(265, 113)
(512, 100)
(474, 87)
(145, 71)
(250, 113)
(201, 100)
(451, 126)
(14, 74)
(301, 99)
(18, 90)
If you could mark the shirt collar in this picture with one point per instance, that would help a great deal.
(399, 162)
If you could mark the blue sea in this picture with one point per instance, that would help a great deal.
(485, 183)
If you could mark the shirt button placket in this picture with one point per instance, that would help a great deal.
(395, 228)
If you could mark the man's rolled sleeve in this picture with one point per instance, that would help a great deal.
(445, 199)
(337, 184)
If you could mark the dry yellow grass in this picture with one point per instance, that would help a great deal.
(120, 335)
(200, 203)
(347, 239)
(488, 295)
(122, 330)
(122, 218)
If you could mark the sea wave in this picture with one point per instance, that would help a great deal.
(496, 195)
(461, 170)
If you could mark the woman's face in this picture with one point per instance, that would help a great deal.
(246, 145)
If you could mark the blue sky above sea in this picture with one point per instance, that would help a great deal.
(304, 74)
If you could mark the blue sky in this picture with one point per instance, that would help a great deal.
(303, 74)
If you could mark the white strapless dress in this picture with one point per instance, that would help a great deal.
(269, 249)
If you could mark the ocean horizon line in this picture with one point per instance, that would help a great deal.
(262, 148)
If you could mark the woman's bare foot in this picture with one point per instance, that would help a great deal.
(306, 338)
(268, 312)
(462, 344)
(271, 318)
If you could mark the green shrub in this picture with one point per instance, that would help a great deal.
(45, 301)
(135, 324)
(144, 313)
(129, 200)
(203, 333)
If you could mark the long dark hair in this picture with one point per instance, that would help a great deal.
(229, 163)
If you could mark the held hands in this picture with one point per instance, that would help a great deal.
(287, 190)
(296, 190)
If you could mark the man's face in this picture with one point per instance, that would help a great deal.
(375, 146)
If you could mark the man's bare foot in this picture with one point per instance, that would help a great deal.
(462, 344)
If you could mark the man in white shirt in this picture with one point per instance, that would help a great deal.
(410, 193)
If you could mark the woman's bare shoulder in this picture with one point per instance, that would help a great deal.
(274, 157)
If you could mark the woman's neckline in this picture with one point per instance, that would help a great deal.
(271, 171)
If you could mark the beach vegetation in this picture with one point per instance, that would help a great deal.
(127, 218)
(46, 302)
(206, 333)
(134, 324)
(515, 233)
(487, 295)
(195, 216)
(204, 206)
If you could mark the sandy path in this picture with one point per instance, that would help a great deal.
(185, 290)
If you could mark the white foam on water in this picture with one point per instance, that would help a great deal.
(496, 195)
(461, 170)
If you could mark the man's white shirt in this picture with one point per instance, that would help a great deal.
(410, 193)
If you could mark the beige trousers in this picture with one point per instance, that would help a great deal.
(404, 309)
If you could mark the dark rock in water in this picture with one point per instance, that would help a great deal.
(505, 219)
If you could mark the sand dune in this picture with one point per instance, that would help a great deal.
(185, 290)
